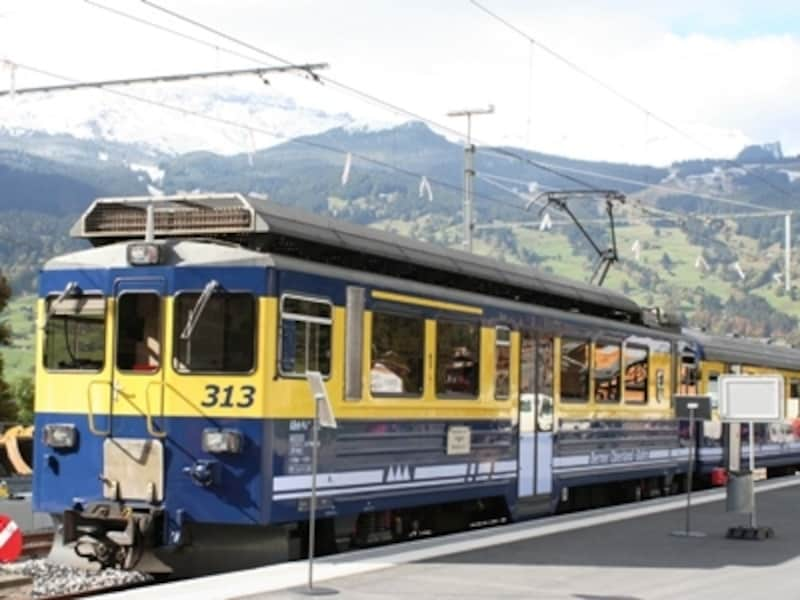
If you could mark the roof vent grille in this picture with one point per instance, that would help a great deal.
(175, 216)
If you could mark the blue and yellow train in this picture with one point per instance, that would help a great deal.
(174, 414)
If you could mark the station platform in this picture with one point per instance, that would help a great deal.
(619, 553)
(20, 510)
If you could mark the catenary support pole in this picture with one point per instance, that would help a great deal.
(788, 250)
(469, 170)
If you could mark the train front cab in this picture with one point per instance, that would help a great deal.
(151, 421)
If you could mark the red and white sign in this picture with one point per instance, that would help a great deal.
(10, 539)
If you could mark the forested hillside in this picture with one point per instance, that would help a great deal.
(686, 252)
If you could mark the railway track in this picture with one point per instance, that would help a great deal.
(37, 544)
(33, 576)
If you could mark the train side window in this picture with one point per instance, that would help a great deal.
(545, 360)
(502, 363)
(305, 340)
(75, 334)
(793, 399)
(713, 388)
(607, 358)
(139, 332)
(637, 359)
(688, 377)
(398, 355)
(223, 339)
(574, 370)
(457, 352)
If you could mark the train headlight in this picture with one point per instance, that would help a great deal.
(217, 441)
(144, 253)
(60, 435)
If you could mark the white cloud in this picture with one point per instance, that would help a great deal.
(434, 57)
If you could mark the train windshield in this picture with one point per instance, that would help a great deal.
(75, 333)
(223, 336)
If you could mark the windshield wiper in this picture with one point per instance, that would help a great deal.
(197, 311)
(70, 289)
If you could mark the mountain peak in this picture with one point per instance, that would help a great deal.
(761, 153)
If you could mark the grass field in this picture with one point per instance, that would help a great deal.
(18, 357)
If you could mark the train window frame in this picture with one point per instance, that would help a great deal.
(402, 314)
(543, 340)
(498, 343)
(587, 343)
(178, 327)
(478, 347)
(88, 293)
(160, 328)
(305, 319)
(715, 375)
(604, 343)
(647, 356)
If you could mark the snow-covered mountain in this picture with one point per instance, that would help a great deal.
(102, 116)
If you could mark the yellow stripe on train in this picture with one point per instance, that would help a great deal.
(257, 395)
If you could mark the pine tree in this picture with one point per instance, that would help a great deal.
(8, 407)
(23, 392)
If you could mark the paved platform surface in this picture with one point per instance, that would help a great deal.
(622, 553)
(21, 511)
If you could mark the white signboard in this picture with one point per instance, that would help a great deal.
(756, 398)
(459, 439)
(323, 403)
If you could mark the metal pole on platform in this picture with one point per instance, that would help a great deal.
(312, 513)
(690, 474)
(325, 419)
(751, 443)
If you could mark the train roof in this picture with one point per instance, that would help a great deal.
(197, 253)
(744, 351)
(267, 226)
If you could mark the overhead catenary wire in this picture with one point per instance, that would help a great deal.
(250, 128)
(371, 98)
(648, 113)
(654, 214)
(768, 212)
(397, 109)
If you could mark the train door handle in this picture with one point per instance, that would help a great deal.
(90, 412)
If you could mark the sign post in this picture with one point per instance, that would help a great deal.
(323, 417)
(10, 540)
(749, 399)
(692, 408)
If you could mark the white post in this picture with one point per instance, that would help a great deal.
(312, 520)
(690, 474)
(469, 174)
(751, 436)
(469, 170)
(323, 417)
(788, 250)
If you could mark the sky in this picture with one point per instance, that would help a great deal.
(723, 74)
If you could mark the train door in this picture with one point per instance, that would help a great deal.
(535, 416)
(526, 479)
(138, 371)
(133, 451)
(545, 414)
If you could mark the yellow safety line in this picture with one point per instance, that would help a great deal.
(403, 299)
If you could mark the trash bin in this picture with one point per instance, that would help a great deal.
(739, 492)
